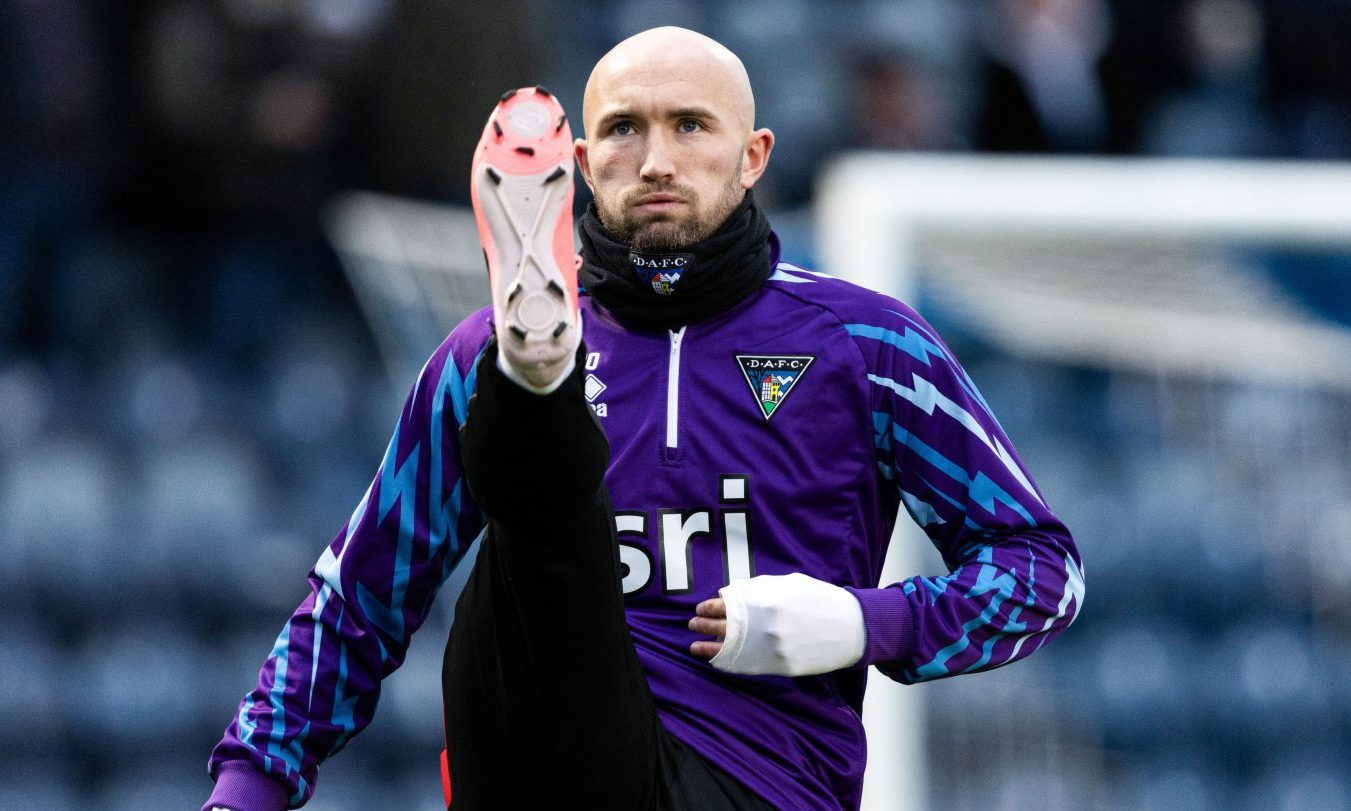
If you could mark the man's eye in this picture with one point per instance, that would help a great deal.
(622, 128)
(690, 125)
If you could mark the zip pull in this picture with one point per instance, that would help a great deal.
(673, 391)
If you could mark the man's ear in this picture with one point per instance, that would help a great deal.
(756, 157)
(583, 162)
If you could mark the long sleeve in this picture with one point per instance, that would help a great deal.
(1015, 577)
(371, 588)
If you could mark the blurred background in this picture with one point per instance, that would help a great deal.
(200, 365)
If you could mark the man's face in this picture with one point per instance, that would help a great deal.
(667, 156)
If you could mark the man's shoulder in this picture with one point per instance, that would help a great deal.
(477, 326)
(469, 337)
(849, 302)
(454, 358)
(886, 330)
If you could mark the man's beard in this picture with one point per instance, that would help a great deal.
(666, 235)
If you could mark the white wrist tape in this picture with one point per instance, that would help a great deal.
(790, 625)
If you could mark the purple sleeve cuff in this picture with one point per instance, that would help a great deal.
(241, 787)
(890, 622)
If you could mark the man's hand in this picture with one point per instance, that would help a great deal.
(710, 619)
(783, 625)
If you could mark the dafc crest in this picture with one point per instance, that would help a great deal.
(662, 271)
(772, 377)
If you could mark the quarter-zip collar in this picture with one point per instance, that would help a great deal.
(673, 395)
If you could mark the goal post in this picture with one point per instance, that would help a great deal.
(1142, 264)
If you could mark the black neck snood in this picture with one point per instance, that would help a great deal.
(662, 291)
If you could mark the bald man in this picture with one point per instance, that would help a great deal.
(671, 82)
(683, 477)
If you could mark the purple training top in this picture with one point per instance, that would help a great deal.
(781, 436)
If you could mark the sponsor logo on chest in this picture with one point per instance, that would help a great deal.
(724, 530)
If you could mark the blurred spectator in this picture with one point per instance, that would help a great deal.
(899, 104)
(54, 99)
(1043, 91)
(1309, 77)
(1219, 112)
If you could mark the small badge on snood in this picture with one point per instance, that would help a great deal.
(661, 270)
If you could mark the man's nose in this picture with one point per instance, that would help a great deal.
(658, 162)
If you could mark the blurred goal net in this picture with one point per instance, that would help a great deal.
(417, 270)
(1145, 264)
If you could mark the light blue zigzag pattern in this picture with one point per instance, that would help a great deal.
(279, 655)
(981, 489)
(290, 755)
(916, 343)
(926, 397)
(1012, 625)
(780, 276)
(401, 486)
(344, 708)
(816, 273)
(443, 517)
(889, 474)
(320, 602)
(970, 384)
(396, 484)
(1002, 584)
(1073, 593)
(987, 581)
(882, 441)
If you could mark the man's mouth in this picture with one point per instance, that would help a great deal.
(658, 202)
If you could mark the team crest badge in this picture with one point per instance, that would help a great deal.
(773, 377)
(664, 283)
(662, 271)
